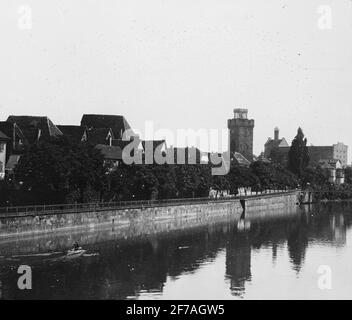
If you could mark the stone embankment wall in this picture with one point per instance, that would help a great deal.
(175, 216)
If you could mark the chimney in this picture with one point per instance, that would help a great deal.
(276, 133)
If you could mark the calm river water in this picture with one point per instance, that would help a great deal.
(268, 256)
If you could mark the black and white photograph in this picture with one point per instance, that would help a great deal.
(175, 151)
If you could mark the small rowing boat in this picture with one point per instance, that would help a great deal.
(76, 252)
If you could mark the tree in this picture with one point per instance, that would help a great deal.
(285, 178)
(59, 171)
(166, 181)
(316, 178)
(186, 180)
(4, 193)
(273, 176)
(348, 175)
(298, 157)
(265, 174)
(242, 177)
(133, 182)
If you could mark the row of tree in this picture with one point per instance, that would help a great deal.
(65, 172)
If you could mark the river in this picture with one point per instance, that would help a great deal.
(305, 253)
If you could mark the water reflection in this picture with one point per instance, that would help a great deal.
(134, 267)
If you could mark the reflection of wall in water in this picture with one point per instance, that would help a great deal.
(123, 268)
(338, 229)
(327, 224)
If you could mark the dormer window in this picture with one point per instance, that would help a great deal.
(109, 138)
(84, 137)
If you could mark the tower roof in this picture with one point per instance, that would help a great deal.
(240, 113)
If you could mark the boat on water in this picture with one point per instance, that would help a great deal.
(75, 252)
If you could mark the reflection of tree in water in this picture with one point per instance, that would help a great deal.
(332, 224)
(297, 243)
(267, 233)
(123, 268)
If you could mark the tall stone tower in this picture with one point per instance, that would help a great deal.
(241, 133)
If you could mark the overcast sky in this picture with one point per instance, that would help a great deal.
(182, 63)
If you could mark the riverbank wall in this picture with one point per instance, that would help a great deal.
(175, 216)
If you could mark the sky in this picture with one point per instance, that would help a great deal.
(182, 64)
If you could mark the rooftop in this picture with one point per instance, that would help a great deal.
(117, 123)
(99, 136)
(110, 152)
(75, 133)
(35, 127)
(3, 137)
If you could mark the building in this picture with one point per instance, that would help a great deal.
(240, 160)
(335, 170)
(3, 141)
(262, 158)
(118, 124)
(275, 143)
(154, 145)
(17, 141)
(97, 136)
(277, 151)
(123, 143)
(341, 153)
(337, 151)
(241, 133)
(74, 133)
(12, 163)
(112, 155)
(24, 131)
(280, 156)
(187, 155)
(35, 128)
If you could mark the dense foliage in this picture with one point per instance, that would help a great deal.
(298, 156)
(59, 171)
(348, 175)
(64, 172)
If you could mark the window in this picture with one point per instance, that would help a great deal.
(1, 167)
(1, 147)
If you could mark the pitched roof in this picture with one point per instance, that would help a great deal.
(187, 155)
(12, 162)
(330, 163)
(7, 128)
(10, 129)
(276, 143)
(36, 128)
(3, 136)
(99, 136)
(120, 143)
(262, 158)
(110, 152)
(117, 123)
(76, 133)
(154, 143)
(213, 158)
(240, 159)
